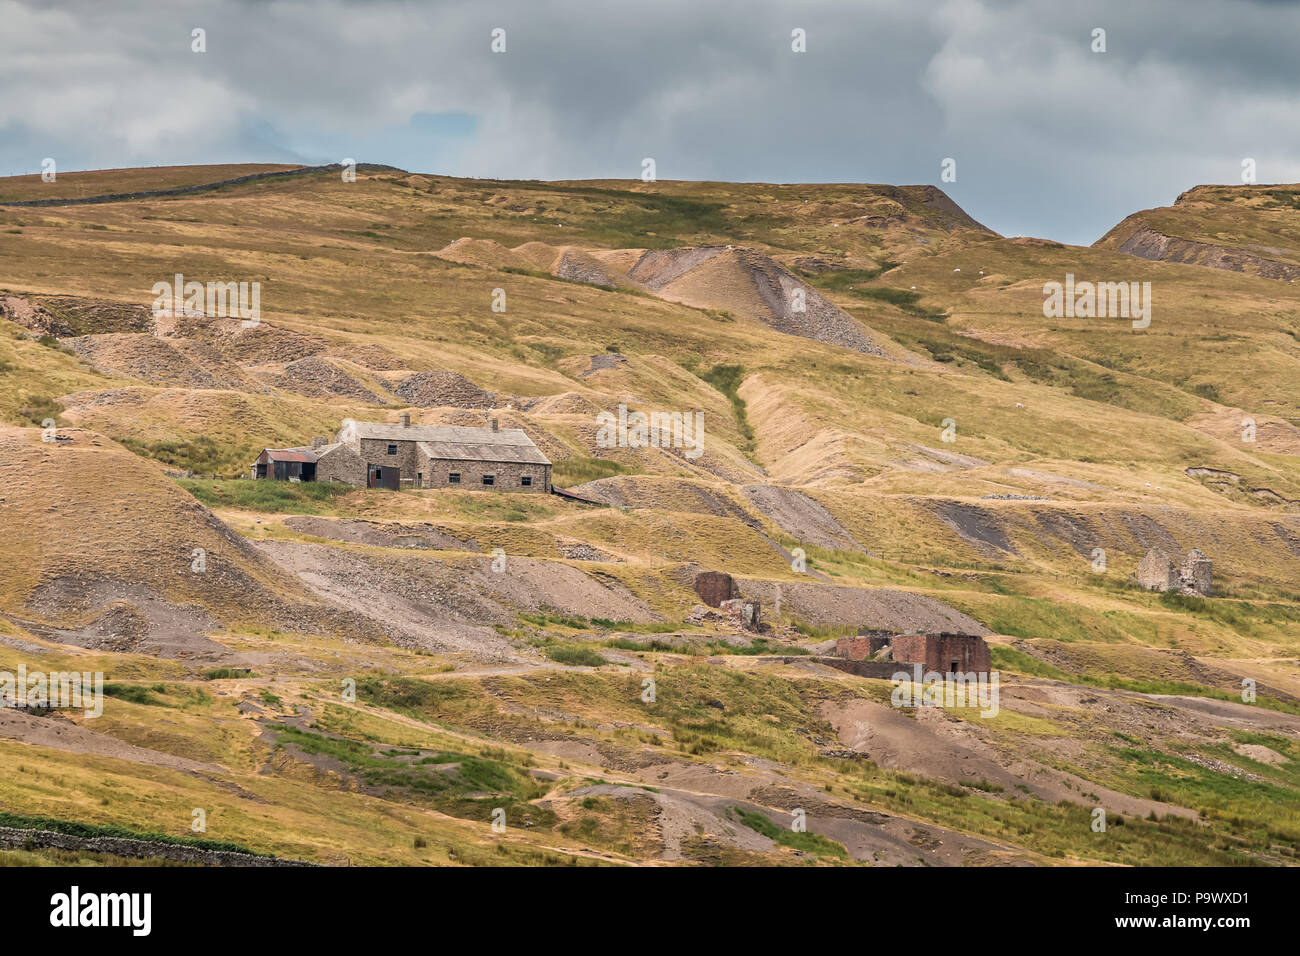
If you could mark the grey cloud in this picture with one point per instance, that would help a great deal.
(1050, 138)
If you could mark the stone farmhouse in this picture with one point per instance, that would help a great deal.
(401, 455)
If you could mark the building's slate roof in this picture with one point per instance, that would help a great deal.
(484, 451)
(289, 454)
(453, 441)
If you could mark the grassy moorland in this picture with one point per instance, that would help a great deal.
(974, 460)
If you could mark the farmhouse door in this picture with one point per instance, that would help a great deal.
(381, 477)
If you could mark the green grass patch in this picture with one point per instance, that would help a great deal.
(555, 619)
(1261, 812)
(574, 655)
(36, 409)
(847, 280)
(727, 379)
(1030, 617)
(1018, 662)
(757, 646)
(1241, 616)
(618, 218)
(201, 454)
(271, 497)
(577, 471)
(137, 694)
(226, 673)
(805, 842)
(461, 784)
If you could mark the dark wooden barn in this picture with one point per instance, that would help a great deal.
(285, 464)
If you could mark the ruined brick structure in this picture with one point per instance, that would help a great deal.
(943, 653)
(714, 587)
(854, 648)
(864, 645)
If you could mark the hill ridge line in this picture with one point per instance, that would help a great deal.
(182, 190)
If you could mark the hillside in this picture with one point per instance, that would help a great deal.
(880, 390)
(1248, 229)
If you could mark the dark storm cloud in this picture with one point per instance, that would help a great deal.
(1049, 138)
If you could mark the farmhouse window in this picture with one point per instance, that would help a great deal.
(392, 449)
(453, 478)
(489, 479)
(526, 480)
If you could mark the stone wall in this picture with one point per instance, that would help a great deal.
(16, 838)
(341, 464)
(507, 475)
(881, 670)
(1197, 573)
(375, 452)
(1156, 572)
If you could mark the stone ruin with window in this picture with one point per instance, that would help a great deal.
(1156, 572)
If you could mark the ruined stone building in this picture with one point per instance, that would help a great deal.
(1197, 572)
(1156, 572)
(941, 652)
(401, 455)
(718, 589)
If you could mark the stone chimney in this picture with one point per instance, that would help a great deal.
(495, 425)
(318, 442)
(406, 419)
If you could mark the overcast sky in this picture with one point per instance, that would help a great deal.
(1050, 138)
